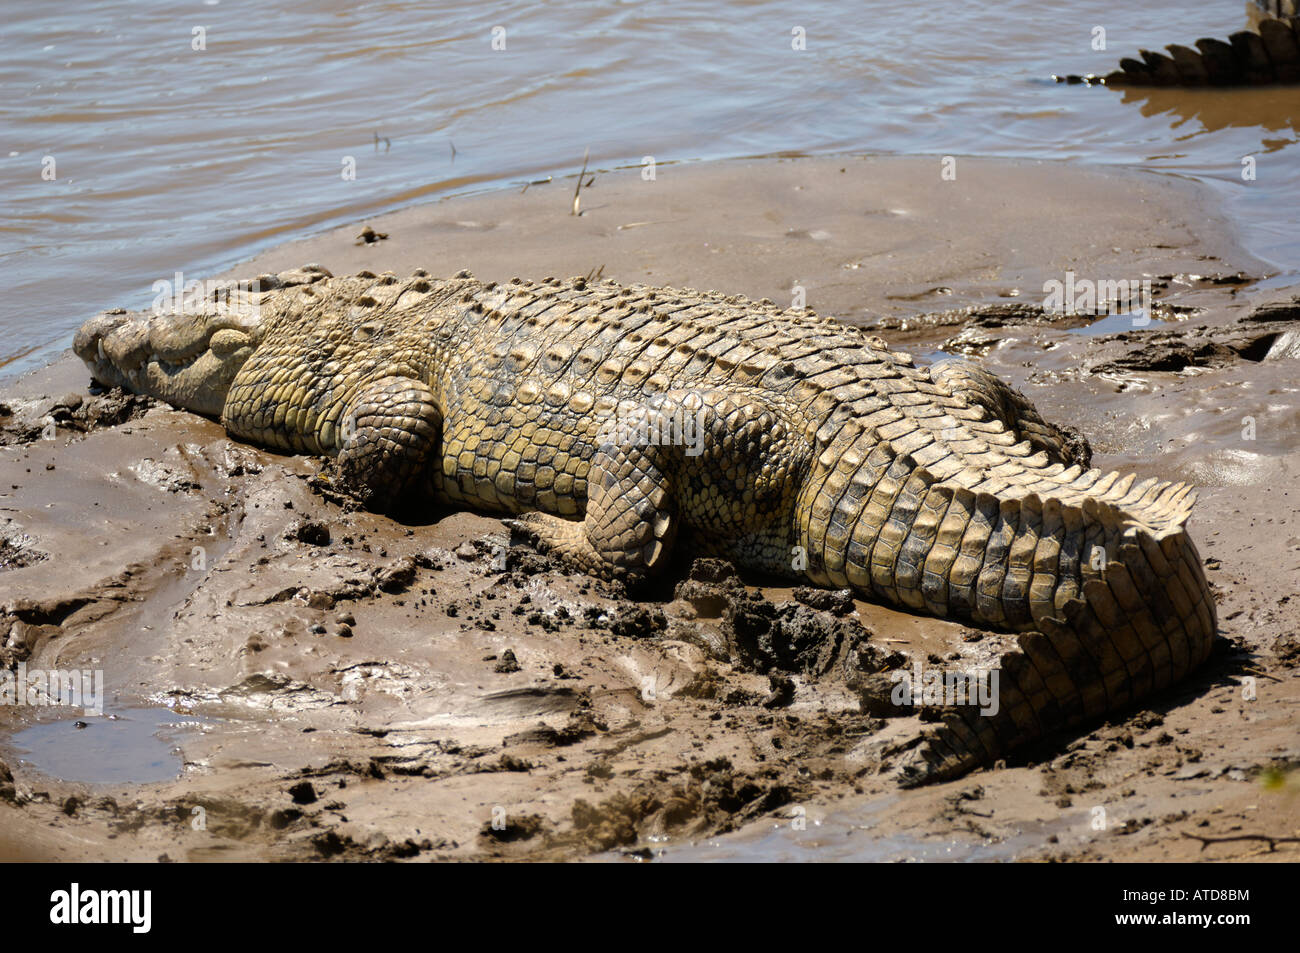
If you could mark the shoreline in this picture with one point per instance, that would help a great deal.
(721, 185)
(415, 724)
(410, 202)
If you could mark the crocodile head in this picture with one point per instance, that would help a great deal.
(188, 360)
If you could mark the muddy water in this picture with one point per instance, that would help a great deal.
(848, 837)
(159, 156)
(133, 745)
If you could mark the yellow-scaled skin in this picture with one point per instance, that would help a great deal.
(609, 419)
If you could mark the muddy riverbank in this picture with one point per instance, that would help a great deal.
(289, 677)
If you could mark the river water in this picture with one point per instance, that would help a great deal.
(142, 138)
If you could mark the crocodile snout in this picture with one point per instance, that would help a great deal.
(186, 359)
(87, 342)
(114, 345)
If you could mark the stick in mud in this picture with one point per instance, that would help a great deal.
(577, 191)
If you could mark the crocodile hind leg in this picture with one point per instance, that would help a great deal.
(631, 518)
(388, 435)
(981, 388)
(698, 459)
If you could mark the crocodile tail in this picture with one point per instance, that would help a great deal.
(1249, 59)
(1095, 572)
(1138, 619)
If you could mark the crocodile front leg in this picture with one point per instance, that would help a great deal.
(389, 434)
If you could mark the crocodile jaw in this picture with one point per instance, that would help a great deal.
(187, 360)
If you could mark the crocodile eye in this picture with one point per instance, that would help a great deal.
(228, 341)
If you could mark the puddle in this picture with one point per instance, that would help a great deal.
(1118, 323)
(133, 745)
(837, 842)
(846, 835)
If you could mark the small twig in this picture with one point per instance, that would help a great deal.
(1271, 840)
(577, 192)
(1259, 673)
(453, 150)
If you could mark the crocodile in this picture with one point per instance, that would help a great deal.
(604, 421)
(1268, 57)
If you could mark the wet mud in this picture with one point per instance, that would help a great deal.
(288, 676)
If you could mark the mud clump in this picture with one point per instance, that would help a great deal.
(16, 553)
(18, 639)
(614, 822)
(782, 693)
(716, 571)
(1175, 354)
(1287, 650)
(808, 636)
(330, 844)
(73, 412)
(876, 696)
(636, 621)
(580, 727)
(512, 829)
(515, 563)
(724, 790)
(710, 586)
(521, 563)
(303, 793)
(1077, 450)
(795, 638)
(399, 575)
(8, 792)
(1270, 332)
(836, 602)
(1279, 311)
(107, 408)
(713, 797)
